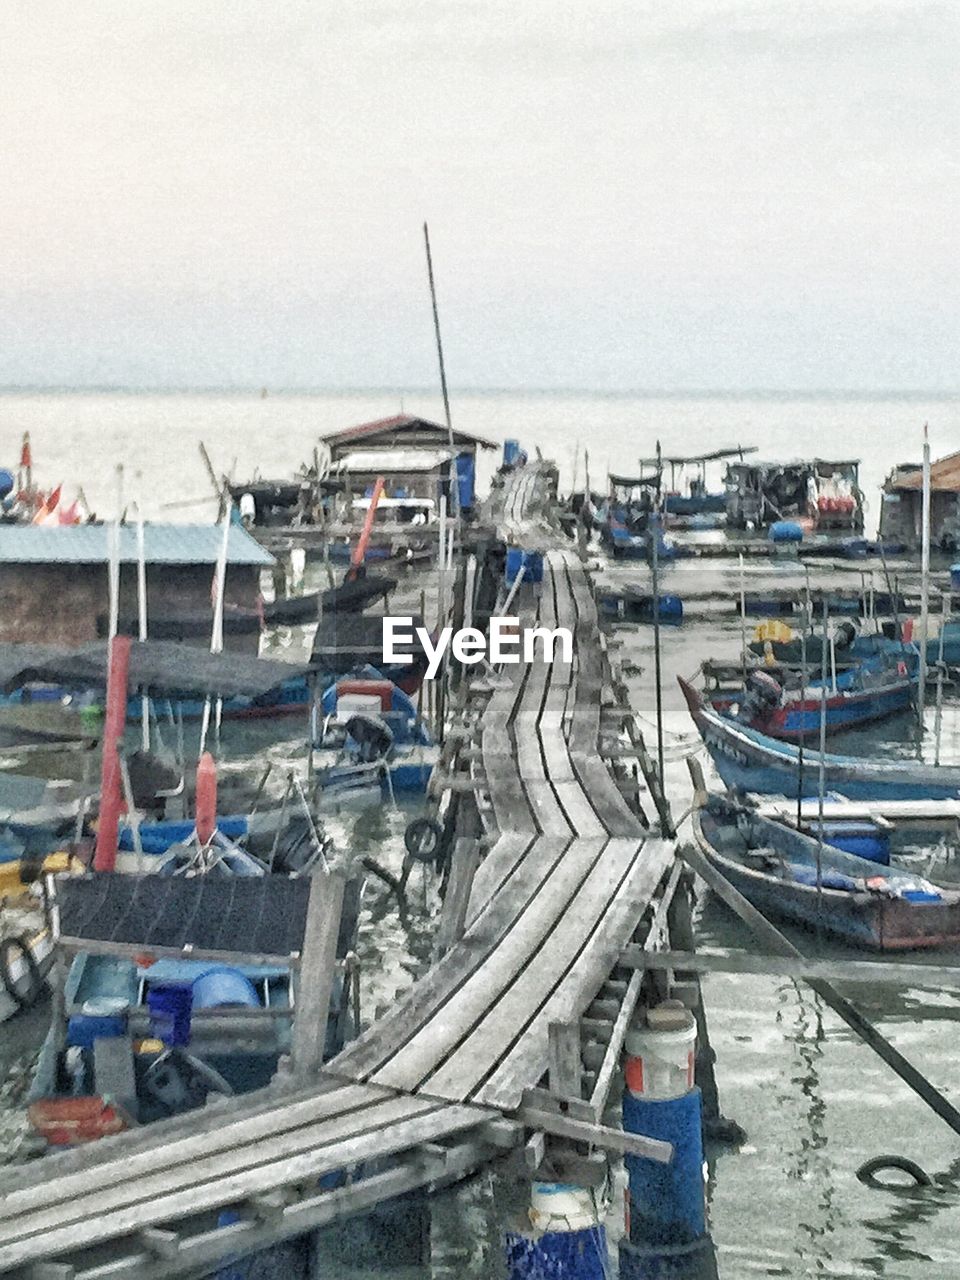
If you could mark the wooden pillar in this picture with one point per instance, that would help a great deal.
(318, 960)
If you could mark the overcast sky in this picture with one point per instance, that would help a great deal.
(622, 194)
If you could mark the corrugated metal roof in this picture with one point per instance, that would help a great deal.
(944, 476)
(402, 422)
(392, 460)
(163, 544)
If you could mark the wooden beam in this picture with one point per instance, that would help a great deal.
(565, 1067)
(844, 1009)
(565, 1126)
(317, 970)
(726, 961)
(160, 1242)
(453, 915)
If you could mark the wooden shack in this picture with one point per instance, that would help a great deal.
(415, 456)
(901, 511)
(54, 581)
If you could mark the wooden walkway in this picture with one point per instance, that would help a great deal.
(437, 1086)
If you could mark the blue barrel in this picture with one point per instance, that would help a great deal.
(6, 482)
(99, 1018)
(955, 577)
(516, 562)
(170, 1006)
(221, 986)
(667, 1203)
(786, 531)
(511, 452)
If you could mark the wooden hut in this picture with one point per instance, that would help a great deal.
(901, 512)
(54, 581)
(414, 455)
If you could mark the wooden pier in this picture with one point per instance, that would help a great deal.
(452, 1076)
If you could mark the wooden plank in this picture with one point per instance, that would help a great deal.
(486, 932)
(145, 1151)
(632, 875)
(463, 867)
(800, 967)
(494, 870)
(232, 1185)
(565, 1070)
(599, 1135)
(579, 810)
(605, 798)
(415, 1065)
(317, 970)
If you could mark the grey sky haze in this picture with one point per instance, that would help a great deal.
(621, 194)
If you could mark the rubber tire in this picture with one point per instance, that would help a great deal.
(24, 999)
(423, 838)
(870, 1168)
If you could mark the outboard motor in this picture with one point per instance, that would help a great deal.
(372, 736)
(761, 695)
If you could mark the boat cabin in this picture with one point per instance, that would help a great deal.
(825, 492)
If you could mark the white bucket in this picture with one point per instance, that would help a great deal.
(357, 704)
(660, 1057)
(557, 1206)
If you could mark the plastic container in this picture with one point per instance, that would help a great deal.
(511, 452)
(381, 689)
(786, 531)
(170, 1006)
(65, 1122)
(222, 986)
(955, 577)
(99, 1018)
(862, 838)
(660, 1055)
(357, 704)
(556, 1205)
(7, 482)
(531, 562)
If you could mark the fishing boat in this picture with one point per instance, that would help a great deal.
(776, 702)
(698, 501)
(751, 761)
(791, 875)
(371, 738)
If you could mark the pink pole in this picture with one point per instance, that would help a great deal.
(115, 721)
(206, 801)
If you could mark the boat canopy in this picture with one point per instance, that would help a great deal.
(161, 666)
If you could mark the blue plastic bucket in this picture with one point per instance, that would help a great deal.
(223, 986)
(170, 1007)
(786, 531)
(99, 1018)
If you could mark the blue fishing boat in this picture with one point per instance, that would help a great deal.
(775, 703)
(371, 737)
(751, 761)
(791, 875)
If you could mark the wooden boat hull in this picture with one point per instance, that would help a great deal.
(800, 718)
(862, 919)
(753, 762)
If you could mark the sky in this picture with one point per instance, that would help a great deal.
(622, 195)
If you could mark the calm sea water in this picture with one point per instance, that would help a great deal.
(815, 1102)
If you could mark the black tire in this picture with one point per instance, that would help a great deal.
(27, 991)
(867, 1173)
(422, 839)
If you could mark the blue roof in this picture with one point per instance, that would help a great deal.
(163, 544)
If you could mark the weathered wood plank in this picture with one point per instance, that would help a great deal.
(496, 867)
(387, 1036)
(601, 936)
(893, 972)
(454, 1023)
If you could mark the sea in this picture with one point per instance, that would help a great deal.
(814, 1101)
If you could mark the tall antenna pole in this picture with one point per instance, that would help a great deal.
(924, 585)
(454, 479)
(655, 576)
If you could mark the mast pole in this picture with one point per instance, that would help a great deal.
(454, 483)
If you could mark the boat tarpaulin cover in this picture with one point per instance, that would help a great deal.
(249, 915)
(162, 666)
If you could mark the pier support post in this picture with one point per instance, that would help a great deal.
(666, 1236)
